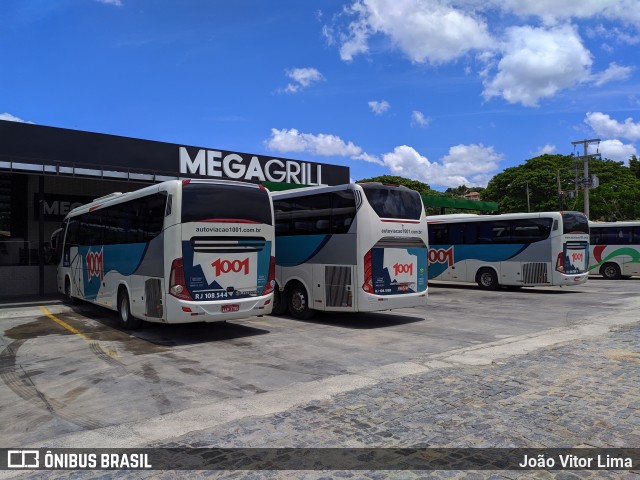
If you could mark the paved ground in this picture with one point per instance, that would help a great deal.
(522, 369)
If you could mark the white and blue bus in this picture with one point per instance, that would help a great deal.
(349, 248)
(515, 249)
(176, 252)
(615, 249)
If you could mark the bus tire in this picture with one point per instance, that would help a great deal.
(279, 302)
(487, 279)
(298, 302)
(71, 300)
(127, 320)
(611, 271)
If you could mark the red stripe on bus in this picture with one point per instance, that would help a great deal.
(94, 208)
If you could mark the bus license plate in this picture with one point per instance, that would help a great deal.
(230, 308)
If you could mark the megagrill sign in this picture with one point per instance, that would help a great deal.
(55, 206)
(251, 168)
(26, 144)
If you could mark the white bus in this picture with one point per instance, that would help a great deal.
(615, 249)
(176, 252)
(349, 248)
(516, 249)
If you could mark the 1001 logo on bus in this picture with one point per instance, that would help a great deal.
(402, 268)
(95, 265)
(441, 256)
(226, 266)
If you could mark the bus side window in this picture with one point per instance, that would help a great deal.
(343, 211)
(154, 207)
(636, 235)
(470, 233)
(71, 239)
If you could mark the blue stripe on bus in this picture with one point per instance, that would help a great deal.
(297, 249)
(483, 253)
(100, 260)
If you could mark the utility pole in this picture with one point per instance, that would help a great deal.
(528, 203)
(560, 193)
(585, 174)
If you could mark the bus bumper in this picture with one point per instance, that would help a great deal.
(567, 280)
(182, 311)
(374, 303)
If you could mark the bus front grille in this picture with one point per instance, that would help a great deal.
(534, 273)
(338, 286)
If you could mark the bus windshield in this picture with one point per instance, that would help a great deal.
(393, 202)
(202, 202)
(575, 222)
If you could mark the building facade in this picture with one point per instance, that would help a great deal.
(47, 171)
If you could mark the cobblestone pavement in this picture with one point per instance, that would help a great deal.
(585, 393)
(582, 394)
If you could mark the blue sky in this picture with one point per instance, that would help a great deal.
(445, 92)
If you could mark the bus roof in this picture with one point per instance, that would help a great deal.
(623, 223)
(462, 217)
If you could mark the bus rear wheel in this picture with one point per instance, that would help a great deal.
(279, 302)
(487, 279)
(127, 320)
(298, 301)
(611, 271)
(71, 300)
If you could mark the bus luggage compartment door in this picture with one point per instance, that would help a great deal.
(338, 286)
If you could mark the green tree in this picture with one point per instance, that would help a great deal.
(617, 196)
(421, 188)
(462, 190)
(634, 166)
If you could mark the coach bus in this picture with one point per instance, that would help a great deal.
(516, 250)
(175, 252)
(349, 248)
(615, 249)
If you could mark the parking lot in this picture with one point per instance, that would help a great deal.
(71, 377)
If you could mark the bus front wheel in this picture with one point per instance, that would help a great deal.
(298, 301)
(127, 320)
(487, 279)
(611, 271)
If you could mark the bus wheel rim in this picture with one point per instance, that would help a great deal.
(298, 301)
(124, 312)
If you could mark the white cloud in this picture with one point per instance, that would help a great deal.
(427, 31)
(537, 63)
(616, 150)
(11, 118)
(379, 107)
(614, 72)
(554, 10)
(302, 78)
(472, 165)
(326, 145)
(117, 3)
(418, 119)
(605, 126)
(546, 149)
